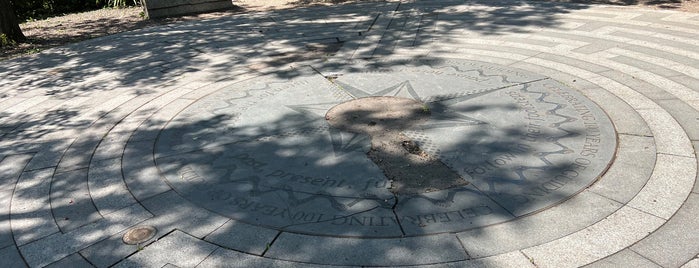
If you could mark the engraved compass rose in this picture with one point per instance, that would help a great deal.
(390, 151)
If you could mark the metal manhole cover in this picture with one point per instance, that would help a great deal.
(138, 235)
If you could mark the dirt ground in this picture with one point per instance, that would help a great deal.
(43, 34)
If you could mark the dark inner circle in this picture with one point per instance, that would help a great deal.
(410, 169)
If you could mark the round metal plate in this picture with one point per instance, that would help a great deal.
(139, 234)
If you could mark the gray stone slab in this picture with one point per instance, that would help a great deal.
(368, 252)
(32, 218)
(639, 85)
(625, 258)
(686, 115)
(598, 46)
(181, 217)
(674, 243)
(228, 258)
(502, 48)
(243, 237)
(174, 212)
(632, 167)
(606, 237)
(147, 131)
(107, 188)
(78, 155)
(662, 196)
(177, 248)
(10, 170)
(49, 154)
(668, 43)
(545, 226)
(646, 66)
(687, 81)
(71, 203)
(664, 54)
(694, 263)
(73, 261)
(108, 150)
(11, 258)
(109, 251)
(60, 245)
(582, 64)
(140, 173)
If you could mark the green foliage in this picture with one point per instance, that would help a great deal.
(6, 41)
(41, 9)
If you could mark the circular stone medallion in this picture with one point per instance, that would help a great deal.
(474, 144)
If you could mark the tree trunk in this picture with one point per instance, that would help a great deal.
(9, 25)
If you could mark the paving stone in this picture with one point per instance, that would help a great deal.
(358, 251)
(78, 155)
(687, 116)
(646, 66)
(542, 227)
(639, 85)
(171, 212)
(595, 47)
(630, 171)
(692, 264)
(109, 251)
(673, 243)
(664, 53)
(48, 154)
(26, 104)
(10, 170)
(626, 257)
(109, 150)
(73, 260)
(585, 65)
(668, 186)
(614, 233)
(243, 237)
(71, 203)
(675, 89)
(669, 136)
(140, 173)
(31, 216)
(687, 81)
(11, 258)
(652, 39)
(228, 258)
(107, 188)
(177, 248)
(57, 246)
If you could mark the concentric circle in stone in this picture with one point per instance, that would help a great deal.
(262, 152)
